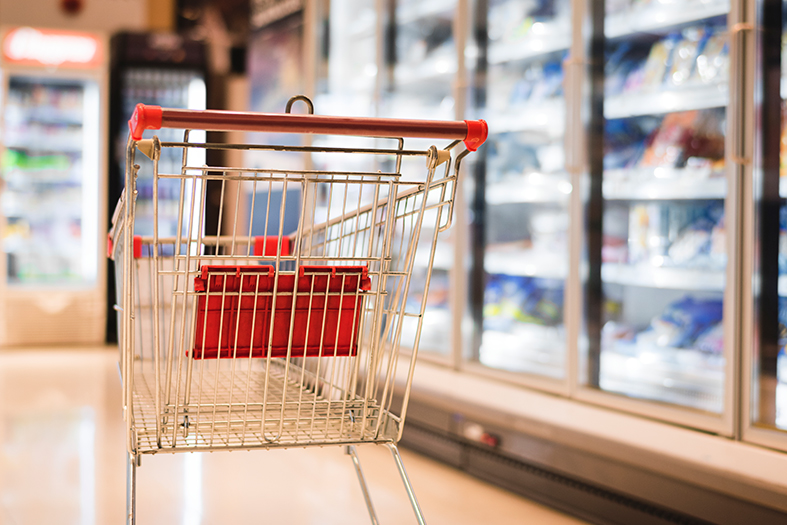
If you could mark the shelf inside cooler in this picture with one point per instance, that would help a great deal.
(681, 376)
(533, 349)
(545, 116)
(657, 102)
(555, 37)
(527, 263)
(657, 15)
(414, 10)
(432, 74)
(650, 276)
(664, 183)
(530, 190)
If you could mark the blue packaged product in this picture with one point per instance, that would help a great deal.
(693, 245)
(683, 321)
(783, 239)
(512, 299)
(625, 141)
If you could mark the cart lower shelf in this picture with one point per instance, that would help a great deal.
(234, 410)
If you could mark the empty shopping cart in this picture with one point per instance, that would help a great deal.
(270, 314)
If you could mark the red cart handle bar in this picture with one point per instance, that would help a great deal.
(472, 132)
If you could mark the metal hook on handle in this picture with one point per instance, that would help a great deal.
(303, 98)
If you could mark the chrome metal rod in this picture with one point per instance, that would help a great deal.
(353, 453)
(407, 485)
(131, 489)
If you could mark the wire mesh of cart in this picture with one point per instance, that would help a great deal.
(288, 337)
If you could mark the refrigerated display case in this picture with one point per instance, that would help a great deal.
(601, 245)
(524, 194)
(53, 186)
(659, 330)
(423, 73)
(765, 370)
(161, 69)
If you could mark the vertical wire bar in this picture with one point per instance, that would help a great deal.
(155, 299)
(181, 349)
(218, 357)
(385, 261)
(221, 212)
(269, 344)
(409, 260)
(130, 275)
(175, 282)
(294, 294)
(238, 185)
(409, 269)
(187, 267)
(305, 353)
(251, 355)
(249, 249)
(238, 305)
(336, 350)
(201, 248)
(317, 388)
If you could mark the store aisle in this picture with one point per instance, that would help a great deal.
(62, 461)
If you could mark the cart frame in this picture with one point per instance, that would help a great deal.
(208, 360)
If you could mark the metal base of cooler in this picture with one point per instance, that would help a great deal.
(233, 410)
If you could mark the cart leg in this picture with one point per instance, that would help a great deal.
(131, 489)
(407, 485)
(352, 452)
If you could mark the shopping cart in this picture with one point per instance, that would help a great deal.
(234, 341)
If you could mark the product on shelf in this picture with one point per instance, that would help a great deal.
(688, 138)
(713, 62)
(625, 140)
(511, 156)
(614, 248)
(659, 62)
(511, 299)
(783, 142)
(684, 57)
(510, 21)
(695, 55)
(668, 143)
(783, 241)
(690, 236)
(688, 323)
(540, 81)
(624, 68)
(646, 239)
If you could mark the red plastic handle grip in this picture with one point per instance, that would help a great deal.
(472, 132)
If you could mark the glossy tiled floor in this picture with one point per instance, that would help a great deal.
(62, 462)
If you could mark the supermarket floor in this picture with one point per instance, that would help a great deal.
(62, 461)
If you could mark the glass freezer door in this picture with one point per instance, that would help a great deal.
(657, 272)
(768, 393)
(521, 206)
(422, 67)
(50, 169)
(172, 89)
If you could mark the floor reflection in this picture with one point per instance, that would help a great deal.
(62, 461)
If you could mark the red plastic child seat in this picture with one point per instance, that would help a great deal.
(235, 311)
